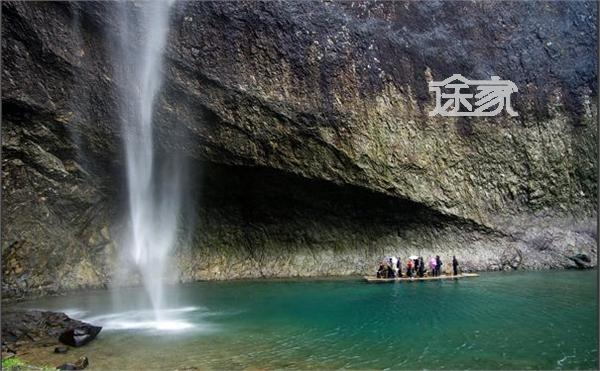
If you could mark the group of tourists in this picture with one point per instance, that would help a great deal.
(415, 267)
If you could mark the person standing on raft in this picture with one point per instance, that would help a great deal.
(432, 266)
(438, 265)
(454, 265)
(421, 271)
(381, 272)
(394, 265)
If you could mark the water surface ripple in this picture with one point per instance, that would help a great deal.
(524, 320)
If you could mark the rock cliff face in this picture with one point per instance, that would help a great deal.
(305, 133)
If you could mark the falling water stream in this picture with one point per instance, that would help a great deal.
(153, 188)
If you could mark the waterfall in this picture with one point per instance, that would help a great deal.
(153, 188)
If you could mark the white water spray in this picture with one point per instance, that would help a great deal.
(154, 189)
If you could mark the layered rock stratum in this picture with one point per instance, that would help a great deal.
(304, 129)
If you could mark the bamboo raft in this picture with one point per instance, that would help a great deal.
(372, 279)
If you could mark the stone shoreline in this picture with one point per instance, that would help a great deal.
(577, 262)
(42, 335)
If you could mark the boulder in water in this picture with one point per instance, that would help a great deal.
(80, 335)
(34, 328)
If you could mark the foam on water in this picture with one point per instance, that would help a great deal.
(176, 325)
(171, 320)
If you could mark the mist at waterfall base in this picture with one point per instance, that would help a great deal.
(153, 184)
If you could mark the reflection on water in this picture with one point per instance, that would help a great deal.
(519, 320)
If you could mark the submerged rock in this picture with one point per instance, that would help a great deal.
(81, 364)
(79, 336)
(61, 350)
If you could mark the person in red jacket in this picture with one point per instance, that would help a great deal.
(409, 267)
